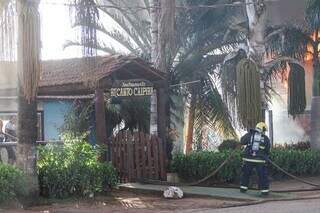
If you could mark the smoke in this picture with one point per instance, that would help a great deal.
(285, 128)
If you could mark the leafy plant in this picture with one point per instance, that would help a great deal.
(229, 145)
(199, 164)
(73, 169)
(76, 121)
(12, 183)
(302, 146)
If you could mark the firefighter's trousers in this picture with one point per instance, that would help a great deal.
(262, 171)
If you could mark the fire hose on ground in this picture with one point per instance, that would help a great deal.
(213, 173)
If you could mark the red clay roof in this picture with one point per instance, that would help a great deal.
(72, 71)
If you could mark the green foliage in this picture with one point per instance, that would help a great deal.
(12, 183)
(135, 113)
(76, 120)
(296, 162)
(229, 144)
(248, 93)
(313, 14)
(73, 169)
(302, 146)
(199, 164)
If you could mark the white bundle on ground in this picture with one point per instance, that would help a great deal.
(173, 192)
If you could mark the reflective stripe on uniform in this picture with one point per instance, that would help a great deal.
(262, 147)
(244, 187)
(264, 191)
(253, 160)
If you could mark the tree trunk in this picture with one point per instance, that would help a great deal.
(166, 35)
(315, 104)
(163, 48)
(154, 54)
(101, 129)
(316, 66)
(315, 123)
(28, 70)
(26, 148)
(256, 12)
(191, 117)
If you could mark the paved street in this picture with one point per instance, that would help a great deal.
(301, 206)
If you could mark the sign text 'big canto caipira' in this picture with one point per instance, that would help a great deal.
(128, 89)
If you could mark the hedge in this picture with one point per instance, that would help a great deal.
(12, 183)
(199, 164)
(73, 170)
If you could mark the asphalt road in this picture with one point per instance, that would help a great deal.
(300, 206)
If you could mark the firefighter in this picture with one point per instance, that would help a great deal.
(257, 150)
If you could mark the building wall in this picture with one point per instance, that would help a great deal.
(54, 112)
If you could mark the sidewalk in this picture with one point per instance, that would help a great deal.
(291, 184)
(220, 193)
(231, 193)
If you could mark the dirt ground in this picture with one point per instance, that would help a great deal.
(121, 201)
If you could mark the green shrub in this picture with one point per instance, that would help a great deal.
(296, 162)
(302, 145)
(229, 144)
(199, 164)
(12, 183)
(73, 170)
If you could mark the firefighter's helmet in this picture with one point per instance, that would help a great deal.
(262, 126)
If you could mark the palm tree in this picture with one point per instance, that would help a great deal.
(188, 49)
(204, 45)
(132, 27)
(29, 46)
(28, 71)
(262, 62)
(302, 43)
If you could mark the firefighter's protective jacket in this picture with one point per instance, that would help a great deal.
(257, 147)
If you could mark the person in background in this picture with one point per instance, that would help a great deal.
(11, 136)
(11, 130)
(2, 136)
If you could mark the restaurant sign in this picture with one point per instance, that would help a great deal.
(131, 88)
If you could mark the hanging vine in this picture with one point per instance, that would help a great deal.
(296, 90)
(7, 30)
(86, 14)
(30, 48)
(248, 93)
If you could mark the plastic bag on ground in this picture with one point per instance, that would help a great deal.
(173, 193)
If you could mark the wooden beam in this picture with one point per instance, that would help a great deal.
(101, 120)
(66, 89)
(162, 117)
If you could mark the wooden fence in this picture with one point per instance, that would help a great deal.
(138, 156)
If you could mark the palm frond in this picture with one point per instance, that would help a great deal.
(211, 111)
(276, 68)
(228, 76)
(313, 14)
(122, 23)
(131, 18)
(117, 36)
(100, 46)
(288, 41)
